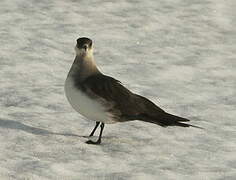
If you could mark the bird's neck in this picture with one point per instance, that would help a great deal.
(83, 67)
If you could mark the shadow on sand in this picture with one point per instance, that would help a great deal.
(11, 124)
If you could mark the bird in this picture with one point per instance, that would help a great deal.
(106, 100)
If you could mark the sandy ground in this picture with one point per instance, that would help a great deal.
(180, 54)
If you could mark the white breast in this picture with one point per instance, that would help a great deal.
(86, 106)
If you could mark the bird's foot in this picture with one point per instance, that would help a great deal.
(93, 142)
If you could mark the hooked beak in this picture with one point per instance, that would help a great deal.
(85, 47)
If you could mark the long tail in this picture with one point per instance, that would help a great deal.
(167, 119)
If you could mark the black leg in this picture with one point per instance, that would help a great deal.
(99, 138)
(97, 123)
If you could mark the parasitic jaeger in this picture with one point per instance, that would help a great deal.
(104, 99)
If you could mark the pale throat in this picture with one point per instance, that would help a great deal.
(84, 64)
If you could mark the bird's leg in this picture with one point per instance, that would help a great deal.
(97, 123)
(99, 138)
(100, 135)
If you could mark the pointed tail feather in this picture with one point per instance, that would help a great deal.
(167, 119)
(173, 118)
(187, 125)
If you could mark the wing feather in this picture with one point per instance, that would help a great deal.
(130, 105)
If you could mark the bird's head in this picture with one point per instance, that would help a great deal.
(84, 47)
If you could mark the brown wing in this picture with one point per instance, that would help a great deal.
(130, 105)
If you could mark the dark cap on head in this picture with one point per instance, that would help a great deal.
(84, 42)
